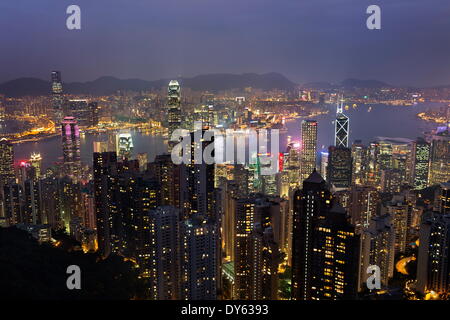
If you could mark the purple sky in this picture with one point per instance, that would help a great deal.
(306, 40)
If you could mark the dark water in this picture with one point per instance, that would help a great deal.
(381, 121)
(386, 121)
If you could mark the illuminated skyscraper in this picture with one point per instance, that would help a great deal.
(71, 147)
(341, 127)
(174, 108)
(57, 96)
(199, 263)
(124, 145)
(420, 158)
(377, 248)
(339, 167)
(256, 248)
(324, 164)
(163, 253)
(198, 195)
(363, 205)
(399, 214)
(325, 246)
(6, 162)
(168, 176)
(359, 164)
(308, 156)
(36, 163)
(440, 157)
(106, 198)
(433, 268)
(309, 205)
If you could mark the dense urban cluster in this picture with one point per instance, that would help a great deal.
(199, 231)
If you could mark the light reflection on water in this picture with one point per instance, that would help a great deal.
(386, 121)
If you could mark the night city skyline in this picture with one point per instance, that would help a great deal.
(230, 158)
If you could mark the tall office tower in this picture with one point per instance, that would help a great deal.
(310, 205)
(308, 148)
(163, 251)
(174, 109)
(264, 259)
(36, 163)
(6, 162)
(399, 213)
(420, 162)
(341, 129)
(359, 164)
(106, 199)
(440, 157)
(377, 248)
(198, 195)
(124, 145)
(433, 269)
(199, 264)
(168, 176)
(57, 96)
(339, 167)
(324, 164)
(12, 193)
(363, 205)
(71, 148)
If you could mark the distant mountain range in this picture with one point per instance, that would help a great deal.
(209, 82)
(349, 83)
(107, 85)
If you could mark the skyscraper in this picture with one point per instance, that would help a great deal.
(377, 248)
(339, 167)
(36, 163)
(71, 147)
(440, 157)
(163, 253)
(359, 164)
(420, 158)
(6, 162)
(105, 197)
(309, 205)
(256, 249)
(308, 152)
(325, 245)
(124, 145)
(174, 108)
(433, 269)
(341, 130)
(57, 96)
(199, 264)
(198, 195)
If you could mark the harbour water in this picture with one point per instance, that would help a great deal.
(382, 120)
